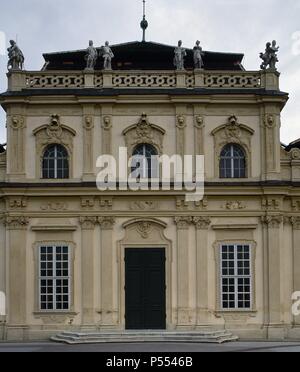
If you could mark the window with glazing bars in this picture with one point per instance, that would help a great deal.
(55, 163)
(232, 162)
(236, 277)
(54, 278)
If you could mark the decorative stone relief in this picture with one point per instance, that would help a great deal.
(273, 222)
(269, 121)
(87, 203)
(53, 133)
(201, 223)
(199, 135)
(296, 205)
(106, 223)
(17, 122)
(17, 202)
(270, 204)
(16, 148)
(144, 132)
(181, 204)
(233, 133)
(234, 205)
(88, 122)
(183, 222)
(295, 154)
(202, 204)
(143, 205)
(106, 134)
(106, 204)
(88, 223)
(59, 206)
(144, 228)
(16, 222)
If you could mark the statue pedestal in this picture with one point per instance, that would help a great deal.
(180, 77)
(270, 79)
(107, 79)
(199, 78)
(89, 78)
(16, 80)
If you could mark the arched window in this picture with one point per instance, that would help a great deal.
(232, 162)
(145, 158)
(55, 163)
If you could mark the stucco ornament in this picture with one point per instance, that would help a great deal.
(15, 57)
(91, 56)
(198, 54)
(144, 132)
(180, 54)
(270, 56)
(295, 154)
(144, 229)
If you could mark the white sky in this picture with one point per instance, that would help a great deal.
(221, 25)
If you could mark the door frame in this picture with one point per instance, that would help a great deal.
(144, 245)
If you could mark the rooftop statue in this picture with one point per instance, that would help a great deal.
(270, 56)
(91, 56)
(107, 55)
(180, 54)
(198, 54)
(15, 57)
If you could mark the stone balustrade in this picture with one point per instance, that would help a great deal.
(19, 80)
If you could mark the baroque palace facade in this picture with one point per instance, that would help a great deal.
(76, 258)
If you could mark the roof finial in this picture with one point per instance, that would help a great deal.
(144, 23)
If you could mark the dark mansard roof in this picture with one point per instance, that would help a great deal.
(143, 56)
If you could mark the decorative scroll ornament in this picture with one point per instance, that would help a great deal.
(16, 222)
(17, 122)
(273, 222)
(233, 129)
(54, 129)
(144, 132)
(183, 222)
(106, 223)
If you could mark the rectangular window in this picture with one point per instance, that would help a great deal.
(54, 278)
(236, 280)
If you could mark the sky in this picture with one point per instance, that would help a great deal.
(221, 25)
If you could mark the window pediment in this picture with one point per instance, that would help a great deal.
(144, 132)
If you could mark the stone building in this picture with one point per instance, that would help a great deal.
(73, 257)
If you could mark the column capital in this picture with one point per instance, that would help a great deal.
(273, 222)
(88, 223)
(295, 221)
(202, 223)
(183, 223)
(106, 223)
(16, 222)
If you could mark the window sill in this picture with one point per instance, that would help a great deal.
(233, 312)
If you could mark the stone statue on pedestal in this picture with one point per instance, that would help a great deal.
(198, 54)
(270, 56)
(91, 56)
(107, 55)
(15, 57)
(180, 54)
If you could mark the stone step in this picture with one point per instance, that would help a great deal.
(148, 336)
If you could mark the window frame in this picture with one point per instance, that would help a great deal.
(236, 277)
(55, 159)
(55, 278)
(149, 161)
(232, 159)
